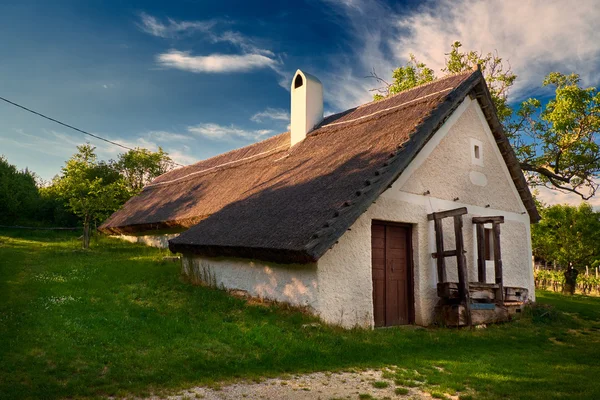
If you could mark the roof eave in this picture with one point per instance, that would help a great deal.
(484, 98)
(173, 226)
(279, 256)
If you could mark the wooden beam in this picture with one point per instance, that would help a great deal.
(446, 214)
(481, 270)
(447, 253)
(439, 246)
(477, 291)
(498, 262)
(488, 220)
(461, 262)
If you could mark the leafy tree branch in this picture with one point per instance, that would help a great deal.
(557, 143)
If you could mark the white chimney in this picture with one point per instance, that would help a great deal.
(307, 105)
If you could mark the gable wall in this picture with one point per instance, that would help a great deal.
(449, 171)
(444, 169)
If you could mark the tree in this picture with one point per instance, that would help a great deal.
(53, 210)
(92, 190)
(140, 166)
(568, 235)
(19, 197)
(414, 73)
(557, 144)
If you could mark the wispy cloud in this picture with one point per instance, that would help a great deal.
(246, 44)
(536, 37)
(552, 197)
(63, 144)
(252, 56)
(172, 28)
(164, 136)
(227, 132)
(214, 63)
(182, 156)
(277, 114)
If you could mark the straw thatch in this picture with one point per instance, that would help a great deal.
(273, 202)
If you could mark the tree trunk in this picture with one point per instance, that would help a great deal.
(86, 234)
(570, 281)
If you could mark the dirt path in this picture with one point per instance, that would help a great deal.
(321, 385)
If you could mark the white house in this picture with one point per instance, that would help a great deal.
(398, 211)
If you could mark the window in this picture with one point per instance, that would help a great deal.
(489, 244)
(476, 152)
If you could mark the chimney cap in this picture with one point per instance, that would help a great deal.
(306, 77)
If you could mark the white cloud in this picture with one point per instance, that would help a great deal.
(371, 25)
(41, 144)
(214, 63)
(182, 156)
(252, 55)
(536, 37)
(172, 28)
(244, 43)
(231, 132)
(552, 197)
(163, 136)
(63, 144)
(277, 114)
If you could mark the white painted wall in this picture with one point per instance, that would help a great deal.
(295, 284)
(160, 241)
(339, 287)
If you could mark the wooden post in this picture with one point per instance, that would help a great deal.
(480, 253)
(498, 263)
(461, 262)
(439, 244)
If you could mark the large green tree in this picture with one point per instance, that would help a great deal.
(19, 197)
(557, 143)
(91, 189)
(140, 166)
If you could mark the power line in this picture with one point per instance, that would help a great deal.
(71, 126)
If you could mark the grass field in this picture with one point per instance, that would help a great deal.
(116, 320)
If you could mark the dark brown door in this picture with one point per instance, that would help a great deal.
(392, 274)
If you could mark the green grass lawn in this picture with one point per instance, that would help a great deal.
(116, 320)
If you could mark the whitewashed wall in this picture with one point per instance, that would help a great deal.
(339, 289)
(160, 241)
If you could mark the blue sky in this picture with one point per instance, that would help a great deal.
(203, 77)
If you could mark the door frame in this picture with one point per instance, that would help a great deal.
(410, 267)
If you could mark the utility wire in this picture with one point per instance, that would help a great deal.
(72, 127)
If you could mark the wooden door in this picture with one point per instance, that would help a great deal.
(392, 274)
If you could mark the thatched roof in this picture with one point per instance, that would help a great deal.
(273, 202)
